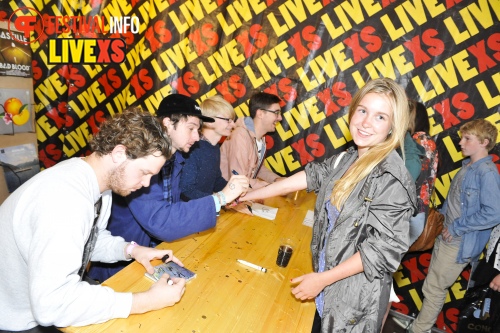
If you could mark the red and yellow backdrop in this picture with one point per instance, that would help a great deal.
(314, 54)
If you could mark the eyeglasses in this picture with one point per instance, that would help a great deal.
(229, 120)
(277, 112)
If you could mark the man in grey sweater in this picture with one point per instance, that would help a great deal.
(55, 223)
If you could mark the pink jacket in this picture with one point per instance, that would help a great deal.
(239, 152)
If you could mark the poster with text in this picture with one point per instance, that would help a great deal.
(15, 57)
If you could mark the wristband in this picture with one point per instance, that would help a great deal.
(128, 249)
(222, 198)
(216, 202)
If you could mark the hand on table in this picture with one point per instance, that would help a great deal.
(242, 207)
(159, 296)
(165, 294)
(310, 285)
(144, 255)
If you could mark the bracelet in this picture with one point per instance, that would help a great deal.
(222, 198)
(216, 202)
(129, 248)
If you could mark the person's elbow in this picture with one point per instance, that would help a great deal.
(52, 308)
(59, 315)
(45, 315)
(172, 235)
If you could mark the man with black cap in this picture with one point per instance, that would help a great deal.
(155, 214)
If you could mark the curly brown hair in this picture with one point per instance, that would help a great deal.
(140, 132)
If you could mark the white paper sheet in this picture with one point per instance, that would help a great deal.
(309, 219)
(266, 212)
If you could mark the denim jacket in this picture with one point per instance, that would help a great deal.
(479, 202)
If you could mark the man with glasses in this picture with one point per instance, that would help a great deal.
(158, 214)
(244, 150)
(201, 174)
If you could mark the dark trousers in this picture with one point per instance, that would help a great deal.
(316, 323)
(36, 329)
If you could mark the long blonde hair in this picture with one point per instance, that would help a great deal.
(398, 102)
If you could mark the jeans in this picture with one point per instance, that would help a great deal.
(417, 224)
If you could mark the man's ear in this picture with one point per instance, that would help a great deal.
(119, 154)
(167, 122)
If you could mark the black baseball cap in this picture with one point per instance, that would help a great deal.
(181, 104)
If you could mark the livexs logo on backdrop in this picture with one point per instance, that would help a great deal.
(73, 39)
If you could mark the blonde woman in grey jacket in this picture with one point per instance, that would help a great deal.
(364, 202)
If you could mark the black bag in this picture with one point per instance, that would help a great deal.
(476, 316)
(480, 311)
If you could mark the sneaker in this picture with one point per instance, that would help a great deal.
(403, 323)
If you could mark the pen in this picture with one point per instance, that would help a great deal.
(234, 172)
(249, 264)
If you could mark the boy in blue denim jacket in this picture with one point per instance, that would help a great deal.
(471, 211)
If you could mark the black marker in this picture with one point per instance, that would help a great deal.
(164, 259)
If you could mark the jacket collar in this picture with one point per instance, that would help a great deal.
(179, 159)
(475, 165)
(248, 122)
(176, 158)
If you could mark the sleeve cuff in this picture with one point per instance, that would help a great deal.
(123, 305)
(217, 203)
(452, 231)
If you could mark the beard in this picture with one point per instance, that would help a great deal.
(116, 181)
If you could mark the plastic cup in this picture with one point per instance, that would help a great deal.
(285, 252)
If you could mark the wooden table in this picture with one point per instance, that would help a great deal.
(227, 296)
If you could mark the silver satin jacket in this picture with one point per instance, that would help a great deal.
(375, 222)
